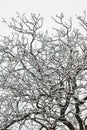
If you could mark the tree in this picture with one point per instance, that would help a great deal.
(43, 78)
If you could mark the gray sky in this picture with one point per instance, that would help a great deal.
(46, 8)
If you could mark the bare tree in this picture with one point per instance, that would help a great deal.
(43, 78)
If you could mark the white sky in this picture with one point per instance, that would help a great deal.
(46, 8)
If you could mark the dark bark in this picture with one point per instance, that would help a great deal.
(62, 113)
(78, 117)
(77, 104)
(67, 123)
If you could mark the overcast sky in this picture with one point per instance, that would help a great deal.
(46, 8)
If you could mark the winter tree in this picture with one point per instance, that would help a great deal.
(43, 78)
